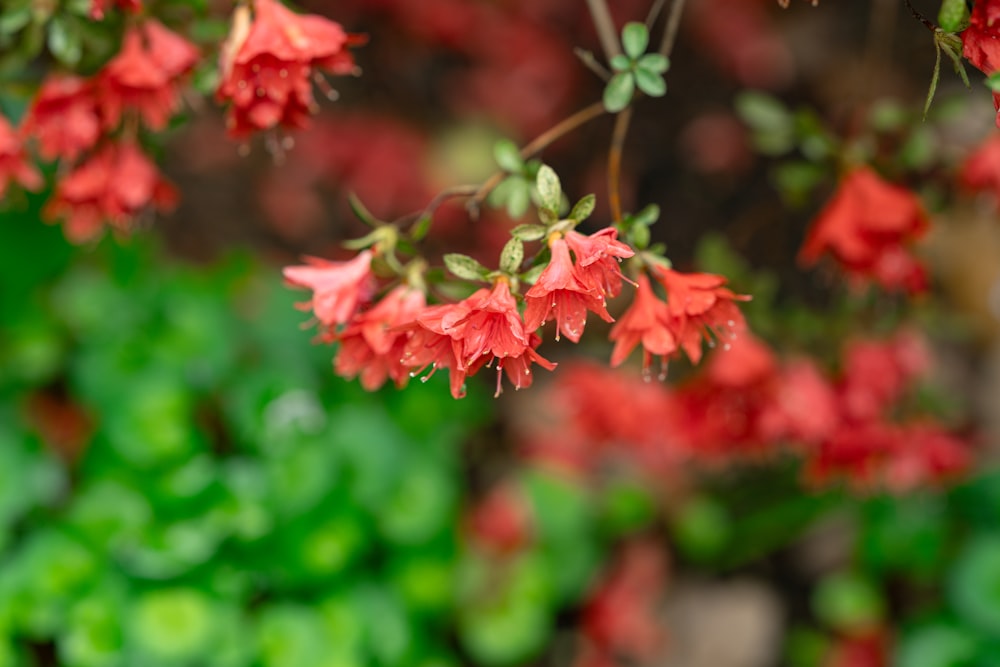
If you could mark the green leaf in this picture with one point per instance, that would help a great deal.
(518, 198)
(583, 208)
(465, 267)
(64, 41)
(621, 63)
(974, 587)
(639, 236)
(935, 76)
(528, 232)
(654, 62)
(635, 39)
(12, 21)
(618, 93)
(421, 227)
(549, 188)
(647, 216)
(508, 156)
(512, 255)
(847, 601)
(953, 15)
(763, 112)
(650, 82)
(361, 212)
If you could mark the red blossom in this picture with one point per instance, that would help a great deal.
(981, 170)
(502, 521)
(559, 290)
(981, 41)
(492, 328)
(865, 227)
(146, 76)
(646, 322)
(267, 66)
(63, 117)
(597, 258)
(14, 164)
(339, 288)
(700, 308)
(876, 373)
(115, 185)
(435, 341)
(372, 344)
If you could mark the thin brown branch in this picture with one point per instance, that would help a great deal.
(673, 26)
(537, 144)
(588, 59)
(435, 203)
(654, 13)
(615, 152)
(605, 27)
(920, 17)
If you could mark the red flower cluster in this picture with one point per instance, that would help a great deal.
(981, 41)
(268, 65)
(14, 164)
(698, 307)
(146, 76)
(747, 405)
(115, 185)
(866, 227)
(111, 181)
(502, 522)
(619, 616)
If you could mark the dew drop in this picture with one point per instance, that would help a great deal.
(731, 323)
(726, 347)
(425, 378)
(711, 342)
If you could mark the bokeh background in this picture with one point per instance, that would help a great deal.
(184, 482)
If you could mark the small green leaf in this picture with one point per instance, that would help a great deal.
(518, 198)
(654, 62)
(635, 39)
(639, 236)
(647, 216)
(935, 76)
(618, 93)
(64, 41)
(953, 16)
(465, 267)
(361, 212)
(583, 208)
(528, 232)
(512, 255)
(549, 189)
(420, 228)
(508, 156)
(650, 82)
(763, 112)
(621, 63)
(12, 21)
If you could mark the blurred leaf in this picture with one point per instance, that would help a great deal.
(848, 602)
(701, 528)
(974, 583)
(465, 267)
(635, 39)
(549, 189)
(508, 156)
(619, 91)
(171, 625)
(512, 256)
(65, 41)
(650, 82)
(937, 646)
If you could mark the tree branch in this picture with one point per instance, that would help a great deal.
(605, 27)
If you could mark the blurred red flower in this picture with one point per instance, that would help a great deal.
(339, 288)
(865, 227)
(981, 169)
(267, 66)
(114, 185)
(63, 117)
(14, 164)
(146, 76)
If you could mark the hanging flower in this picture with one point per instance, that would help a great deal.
(114, 186)
(14, 164)
(372, 344)
(268, 66)
(435, 342)
(981, 170)
(597, 259)
(646, 322)
(866, 227)
(981, 41)
(560, 291)
(339, 288)
(700, 308)
(146, 76)
(63, 118)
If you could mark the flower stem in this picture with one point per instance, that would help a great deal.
(605, 27)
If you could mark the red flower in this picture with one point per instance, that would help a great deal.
(115, 185)
(502, 521)
(14, 164)
(647, 321)
(63, 118)
(518, 367)
(146, 76)
(876, 373)
(372, 344)
(493, 327)
(267, 65)
(981, 41)
(597, 258)
(981, 170)
(560, 290)
(700, 307)
(435, 341)
(339, 288)
(98, 7)
(865, 226)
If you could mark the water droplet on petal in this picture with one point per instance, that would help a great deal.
(727, 347)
